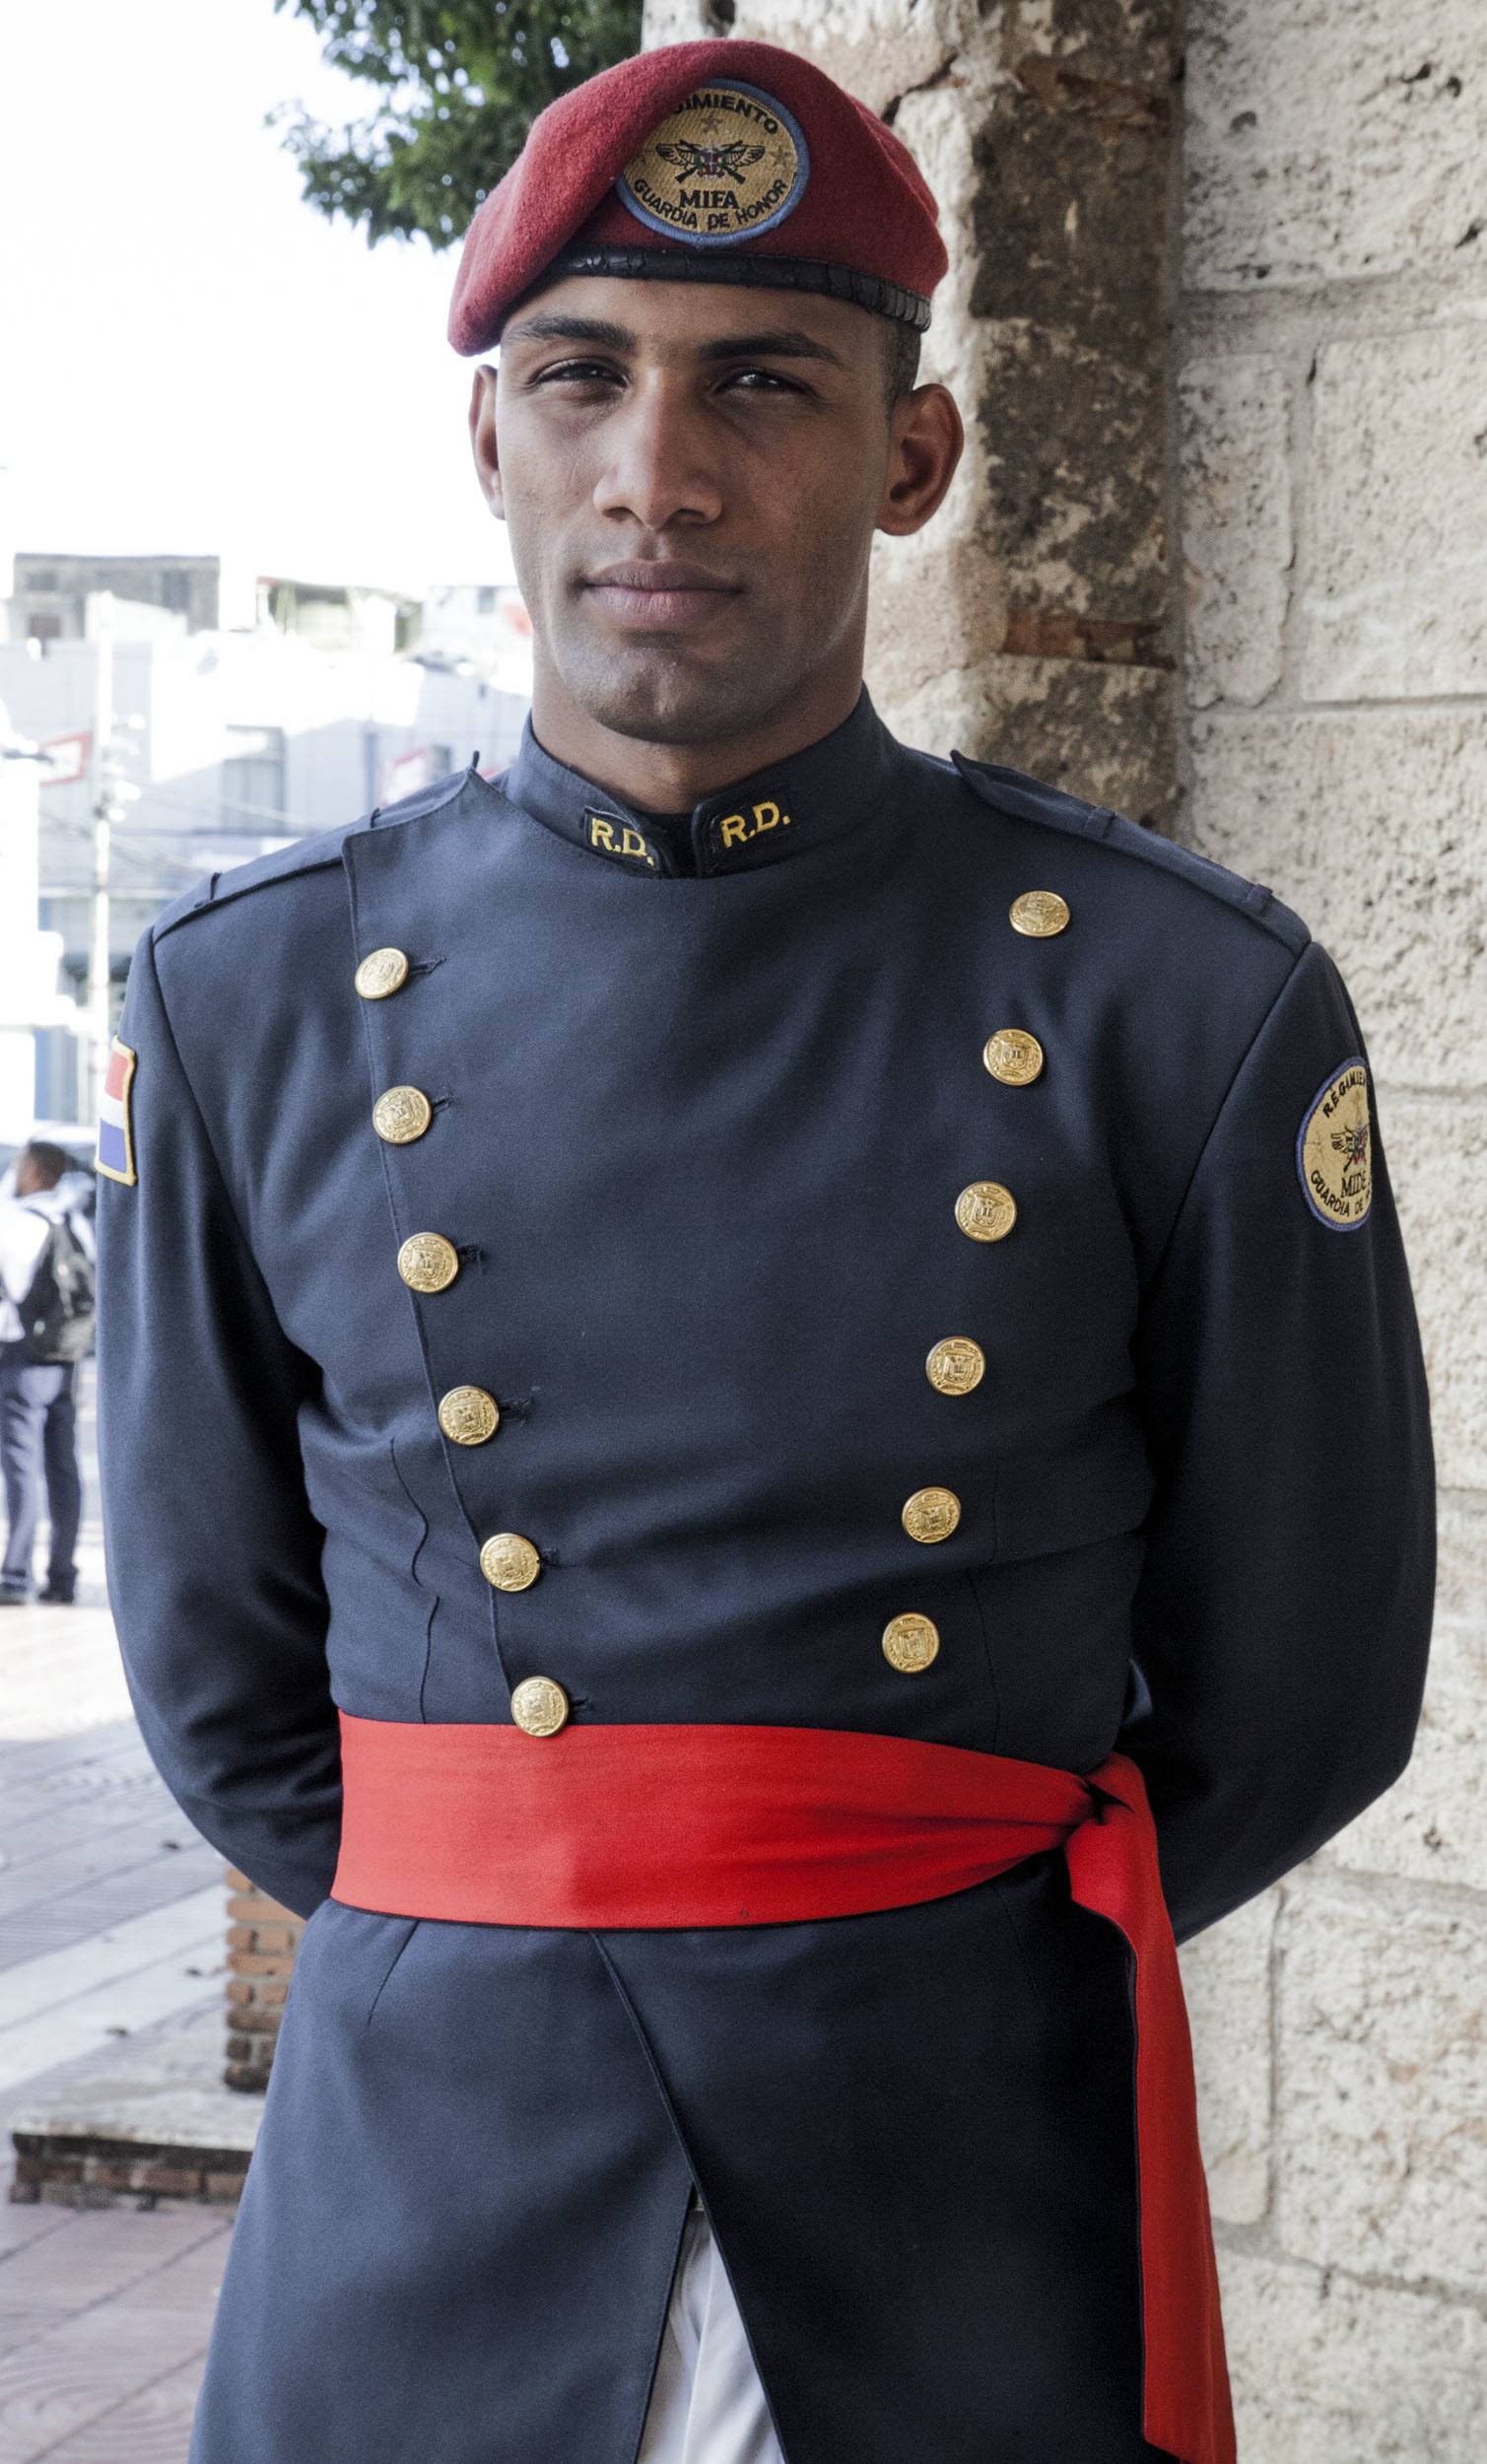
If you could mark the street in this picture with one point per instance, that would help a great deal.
(111, 1925)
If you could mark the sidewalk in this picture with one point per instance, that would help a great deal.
(112, 1922)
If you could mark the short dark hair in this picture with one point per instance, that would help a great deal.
(49, 1160)
(901, 360)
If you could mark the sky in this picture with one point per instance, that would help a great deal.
(193, 359)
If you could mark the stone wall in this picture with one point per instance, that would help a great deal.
(1332, 439)
(1226, 311)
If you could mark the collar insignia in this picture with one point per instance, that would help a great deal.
(618, 836)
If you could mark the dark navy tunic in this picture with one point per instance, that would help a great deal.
(704, 1103)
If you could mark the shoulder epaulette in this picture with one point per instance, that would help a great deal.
(1033, 800)
(282, 863)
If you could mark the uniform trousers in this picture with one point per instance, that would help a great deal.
(39, 1446)
(707, 2403)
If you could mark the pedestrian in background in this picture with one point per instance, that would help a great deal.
(46, 1319)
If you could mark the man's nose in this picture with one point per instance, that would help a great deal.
(659, 464)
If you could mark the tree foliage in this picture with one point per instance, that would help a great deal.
(457, 84)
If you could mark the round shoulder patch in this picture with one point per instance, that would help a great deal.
(1333, 1149)
(729, 162)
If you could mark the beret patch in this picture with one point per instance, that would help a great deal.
(730, 161)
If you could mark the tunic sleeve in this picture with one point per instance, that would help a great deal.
(212, 1553)
(1282, 1619)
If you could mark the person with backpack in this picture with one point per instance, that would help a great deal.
(47, 1301)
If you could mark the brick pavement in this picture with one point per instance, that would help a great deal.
(112, 1922)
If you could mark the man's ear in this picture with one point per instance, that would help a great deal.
(926, 443)
(483, 439)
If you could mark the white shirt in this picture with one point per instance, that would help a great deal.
(707, 2403)
(24, 1226)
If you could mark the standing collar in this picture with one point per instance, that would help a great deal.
(781, 809)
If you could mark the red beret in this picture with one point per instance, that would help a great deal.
(709, 162)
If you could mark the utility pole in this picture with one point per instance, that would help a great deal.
(111, 792)
(98, 1000)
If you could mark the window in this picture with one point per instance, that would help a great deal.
(441, 760)
(484, 601)
(43, 628)
(175, 590)
(252, 777)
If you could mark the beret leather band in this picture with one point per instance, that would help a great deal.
(771, 273)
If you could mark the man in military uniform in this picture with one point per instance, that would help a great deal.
(762, 1425)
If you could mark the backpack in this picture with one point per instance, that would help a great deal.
(58, 1313)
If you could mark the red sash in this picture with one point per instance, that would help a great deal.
(691, 1823)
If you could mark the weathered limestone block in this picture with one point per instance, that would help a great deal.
(1069, 235)
(1226, 1978)
(1127, 42)
(1431, 1825)
(1328, 2371)
(1103, 731)
(1237, 543)
(1461, 1569)
(1395, 599)
(864, 42)
(1381, 2126)
(1436, 1149)
(940, 598)
(878, 48)
(1093, 546)
(1324, 142)
(1370, 825)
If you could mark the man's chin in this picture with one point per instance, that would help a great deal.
(664, 693)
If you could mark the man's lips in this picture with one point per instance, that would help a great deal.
(663, 593)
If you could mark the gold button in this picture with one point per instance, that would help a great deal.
(382, 972)
(539, 1705)
(985, 1210)
(1039, 914)
(931, 1514)
(1013, 1056)
(956, 1365)
(401, 1114)
(510, 1561)
(468, 1415)
(911, 1642)
(428, 1261)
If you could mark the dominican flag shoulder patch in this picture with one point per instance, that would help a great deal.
(115, 1149)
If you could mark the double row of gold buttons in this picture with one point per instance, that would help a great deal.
(985, 1210)
(468, 1415)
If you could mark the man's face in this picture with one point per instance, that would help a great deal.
(737, 435)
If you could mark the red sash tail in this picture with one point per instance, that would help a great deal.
(1113, 1871)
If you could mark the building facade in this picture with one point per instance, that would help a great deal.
(227, 743)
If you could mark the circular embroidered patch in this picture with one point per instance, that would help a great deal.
(1332, 1149)
(730, 160)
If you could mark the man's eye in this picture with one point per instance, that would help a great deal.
(769, 378)
(572, 368)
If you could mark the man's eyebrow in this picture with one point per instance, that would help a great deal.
(785, 342)
(551, 327)
(774, 342)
